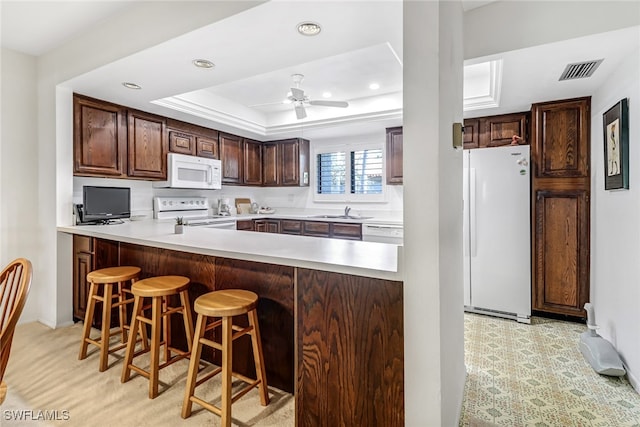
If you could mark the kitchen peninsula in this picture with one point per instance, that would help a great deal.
(330, 311)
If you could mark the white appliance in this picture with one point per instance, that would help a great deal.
(383, 232)
(497, 232)
(194, 211)
(192, 172)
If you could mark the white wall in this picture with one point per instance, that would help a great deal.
(507, 25)
(615, 224)
(433, 317)
(18, 170)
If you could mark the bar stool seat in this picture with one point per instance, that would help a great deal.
(159, 289)
(107, 278)
(225, 304)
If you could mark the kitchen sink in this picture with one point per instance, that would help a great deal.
(341, 216)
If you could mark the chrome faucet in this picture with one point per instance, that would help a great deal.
(347, 209)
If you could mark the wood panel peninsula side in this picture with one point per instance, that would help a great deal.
(332, 335)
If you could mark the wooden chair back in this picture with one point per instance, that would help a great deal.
(15, 281)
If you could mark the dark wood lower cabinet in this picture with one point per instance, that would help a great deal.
(267, 225)
(562, 250)
(90, 254)
(350, 351)
(334, 340)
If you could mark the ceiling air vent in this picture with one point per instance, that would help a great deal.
(580, 70)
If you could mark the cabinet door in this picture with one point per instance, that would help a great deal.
(289, 163)
(99, 138)
(267, 225)
(561, 259)
(232, 158)
(207, 147)
(471, 137)
(82, 265)
(252, 162)
(347, 231)
(496, 131)
(182, 143)
(560, 139)
(147, 146)
(289, 226)
(316, 228)
(245, 224)
(394, 155)
(270, 169)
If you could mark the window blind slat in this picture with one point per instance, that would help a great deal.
(366, 171)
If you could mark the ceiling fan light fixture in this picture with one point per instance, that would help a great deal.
(203, 63)
(309, 28)
(326, 94)
(130, 85)
(374, 86)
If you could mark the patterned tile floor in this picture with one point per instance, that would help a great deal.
(535, 375)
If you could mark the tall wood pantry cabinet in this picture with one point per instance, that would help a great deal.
(560, 154)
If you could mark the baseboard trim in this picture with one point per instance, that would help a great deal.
(633, 380)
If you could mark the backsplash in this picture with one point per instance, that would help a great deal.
(290, 198)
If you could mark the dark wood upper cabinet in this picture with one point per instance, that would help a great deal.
(471, 137)
(496, 131)
(231, 154)
(207, 147)
(194, 140)
(286, 163)
(499, 130)
(294, 154)
(147, 146)
(561, 185)
(394, 155)
(561, 138)
(252, 152)
(182, 143)
(99, 138)
(270, 164)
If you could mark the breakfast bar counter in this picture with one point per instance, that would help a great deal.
(330, 310)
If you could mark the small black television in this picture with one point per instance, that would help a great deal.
(102, 204)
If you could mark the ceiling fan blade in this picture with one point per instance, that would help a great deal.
(297, 94)
(300, 111)
(341, 104)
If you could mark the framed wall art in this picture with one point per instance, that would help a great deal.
(616, 146)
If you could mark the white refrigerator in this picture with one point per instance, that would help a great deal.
(497, 232)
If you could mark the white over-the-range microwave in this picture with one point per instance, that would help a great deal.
(192, 172)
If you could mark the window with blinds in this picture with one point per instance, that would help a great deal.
(350, 172)
(366, 171)
(332, 173)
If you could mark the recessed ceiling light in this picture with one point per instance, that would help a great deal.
(374, 86)
(203, 63)
(326, 94)
(130, 85)
(309, 28)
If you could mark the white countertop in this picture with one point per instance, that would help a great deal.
(369, 259)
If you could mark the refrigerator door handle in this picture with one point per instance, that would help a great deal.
(472, 211)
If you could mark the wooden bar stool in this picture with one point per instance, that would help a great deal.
(224, 305)
(159, 289)
(107, 277)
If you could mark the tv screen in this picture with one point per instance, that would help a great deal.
(102, 204)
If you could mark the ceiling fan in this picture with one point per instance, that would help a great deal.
(299, 99)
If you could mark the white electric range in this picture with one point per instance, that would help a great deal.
(194, 211)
